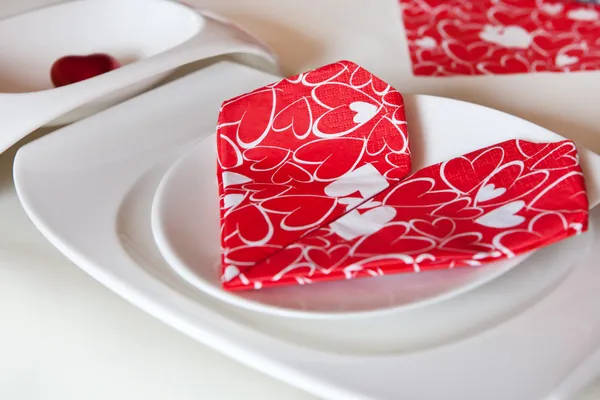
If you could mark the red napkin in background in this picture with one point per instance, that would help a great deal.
(313, 186)
(489, 37)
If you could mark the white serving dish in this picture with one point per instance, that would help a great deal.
(520, 337)
(149, 37)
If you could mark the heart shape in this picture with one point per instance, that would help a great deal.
(387, 134)
(248, 127)
(347, 112)
(265, 191)
(418, 192)
(366, 180)
(509, 182)
(464, 174)
(551, 8)
(364, 111)
(334, 157)
(72, 69)
(469, 54)
(439, 228)
(504, 216)
(355, 224)
(468, 242)
(329, 259)
(564, 60)
(392, 239)
(266, 158)
(458, 209)
(249, 223)
(547, 44)
(509, 64)
(511, 36)
(511, 16)
(561, 157)
(459, 31)
(290, 172)
(489, 192)
(301, 211)
(296, 116)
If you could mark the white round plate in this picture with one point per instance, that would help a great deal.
(185, 223)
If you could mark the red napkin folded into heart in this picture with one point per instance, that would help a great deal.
(313, 186)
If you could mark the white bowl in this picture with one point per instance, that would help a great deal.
(128, 30)
(150, 38)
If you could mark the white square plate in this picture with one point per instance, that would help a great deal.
(89, 189)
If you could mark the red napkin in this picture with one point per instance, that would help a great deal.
(289, 152)
(488, 37)
(313, 187)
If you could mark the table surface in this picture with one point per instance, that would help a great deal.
(64, 336)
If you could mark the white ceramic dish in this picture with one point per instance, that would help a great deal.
(185, 222)
(94, 205)
(149, 37)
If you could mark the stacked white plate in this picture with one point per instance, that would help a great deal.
(129, 195)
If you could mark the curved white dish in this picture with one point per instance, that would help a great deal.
(185, 223)
(150, 37)
(94, 205)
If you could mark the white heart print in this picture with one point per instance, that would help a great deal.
(507, 36)
(232, 200)
(562, 60)
(364, 111)
(489, 192)
(426, 42)
(233, 178)
(583, 14)
(551, 8)
(354, 224)
(230, 272)
(504, 216)
(366, 180)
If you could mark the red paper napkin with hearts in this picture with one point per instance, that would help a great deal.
(488, 37)
(314, 186)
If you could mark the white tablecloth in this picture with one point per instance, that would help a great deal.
(63, 336)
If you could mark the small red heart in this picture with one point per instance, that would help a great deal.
(327, 260)
(439, 228)
(248, 126)
(418, 192)
(508, 65)
(469, 242)
(471, 53)
(301, 211)
(71, 69)
(335, 157)
(266, 158)
(386, 133)
(265, 191)
(425, 69)
(297, 116)
(460, 31)
(249, 222)
(392, 239)
(458, 209)
(547, 44)
(290, 172)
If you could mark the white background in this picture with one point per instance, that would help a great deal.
(64, 336)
